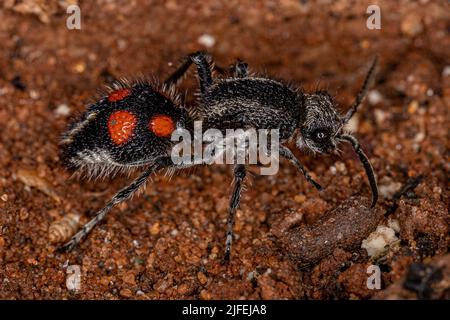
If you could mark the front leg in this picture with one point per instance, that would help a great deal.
(240, 172)
(286, 153)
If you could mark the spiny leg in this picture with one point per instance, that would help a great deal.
(179, 72)
(239, 69)
(204, 70)
(122, 195)
(239, 174)
(286, 153)
(367, 166)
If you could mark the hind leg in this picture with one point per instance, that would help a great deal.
(204, 70)
(121, 196)
(205, 66)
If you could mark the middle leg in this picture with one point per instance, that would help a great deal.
(240, 172)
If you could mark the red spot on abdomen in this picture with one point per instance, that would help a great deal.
(162, 125)
(118, 95)
(121, 125)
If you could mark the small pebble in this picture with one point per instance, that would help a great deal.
(122, 44)
(394, 224)
(126, 293)
(380, 116)
(105, 281)
(206, 40)
(300, 198)
(3, 91)
(4, 197)
(136, 244)
(388, 188)
(162, 285)
(151, 259)
(340, 166)
(23, 214)
(202, 278)
(205, 295)
(79, 67)
(411, 25)
(183, 289)
(446, 71)
(374, 97)
(353, 124)
(154, 229)
(129, 278)
(437, 190)
(379, 241)
(413, 106)
(62, 110)
(34, 94)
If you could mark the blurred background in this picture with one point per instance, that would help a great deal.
(168, 242)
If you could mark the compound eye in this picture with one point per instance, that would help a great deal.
(320, 135)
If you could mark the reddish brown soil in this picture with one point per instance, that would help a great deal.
(168, 242)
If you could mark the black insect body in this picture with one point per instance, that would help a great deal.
(244, 101)
(131, 127)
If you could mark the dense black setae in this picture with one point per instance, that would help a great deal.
(116, 134)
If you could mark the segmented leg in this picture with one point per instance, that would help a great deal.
(179, 73)
(204, 70)
(239, 69)
(239, 175)
(286, 153)
(123, 195)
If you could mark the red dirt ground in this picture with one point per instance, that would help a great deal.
(168, 242)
